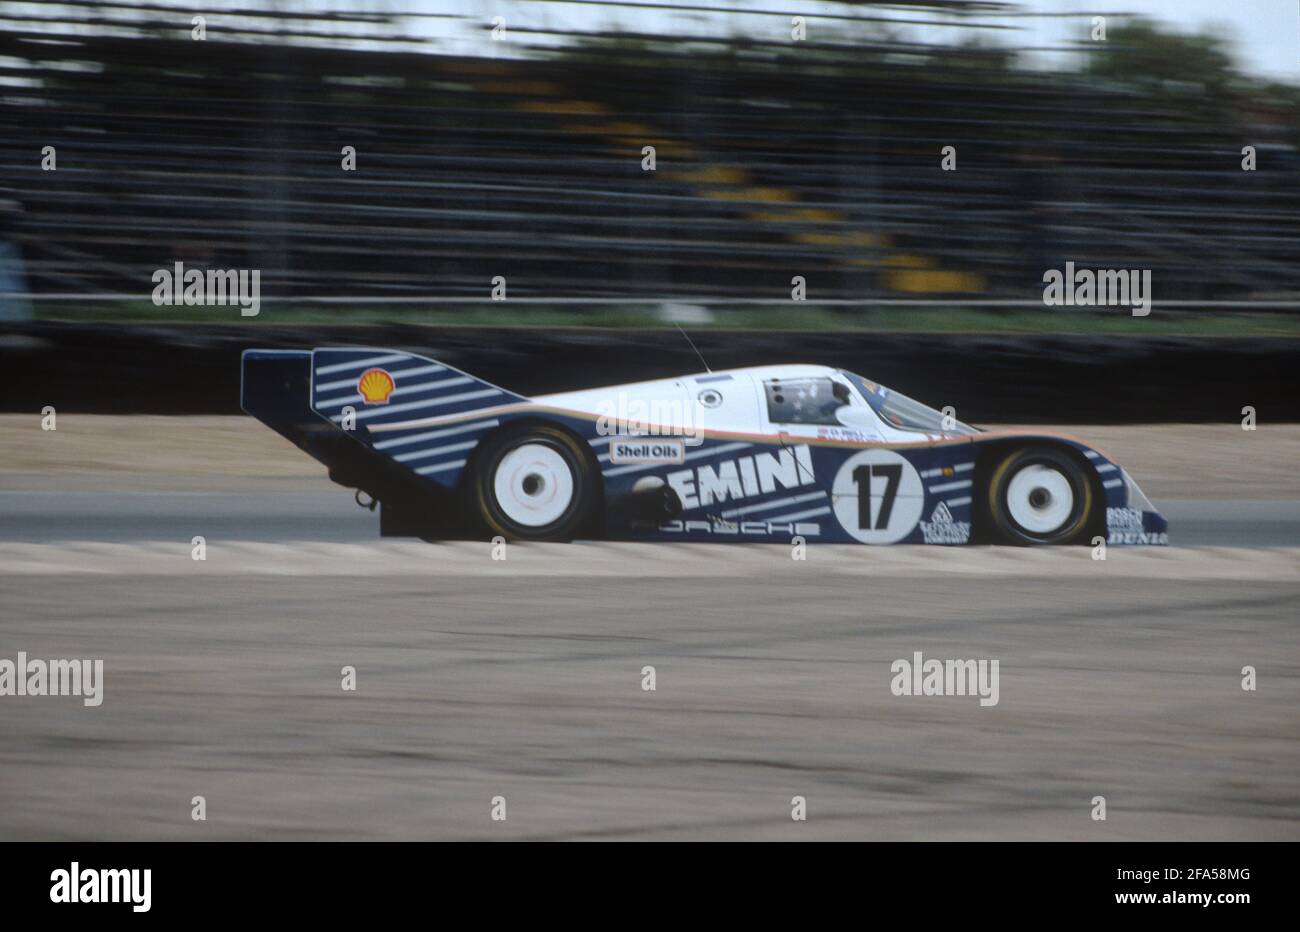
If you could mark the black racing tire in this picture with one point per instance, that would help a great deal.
(534, 483)
(1040, 495)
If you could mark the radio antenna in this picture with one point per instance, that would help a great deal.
(694, 347)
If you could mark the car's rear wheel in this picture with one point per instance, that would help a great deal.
(1040, 495)
(534, 484)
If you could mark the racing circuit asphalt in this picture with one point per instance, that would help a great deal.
(523, 678)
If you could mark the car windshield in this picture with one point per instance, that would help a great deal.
(903, 413)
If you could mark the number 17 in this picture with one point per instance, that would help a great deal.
(892, 473)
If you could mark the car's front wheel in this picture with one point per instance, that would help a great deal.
(534, 484)
(1040, 495)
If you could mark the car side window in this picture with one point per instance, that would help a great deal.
(804, 400)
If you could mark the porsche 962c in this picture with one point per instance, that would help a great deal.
(758, 454)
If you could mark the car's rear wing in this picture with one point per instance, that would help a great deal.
(393, 424)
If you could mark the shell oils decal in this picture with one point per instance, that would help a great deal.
(375, 385)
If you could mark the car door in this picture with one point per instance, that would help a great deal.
(724, 403)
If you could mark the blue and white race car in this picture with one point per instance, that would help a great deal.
(759, 454)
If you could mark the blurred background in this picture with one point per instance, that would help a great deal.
(507, 139)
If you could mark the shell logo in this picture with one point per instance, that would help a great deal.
(375, 385)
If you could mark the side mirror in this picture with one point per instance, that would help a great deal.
(857, 417)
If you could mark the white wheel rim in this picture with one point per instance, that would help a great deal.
(1040, 499)
(533, 485)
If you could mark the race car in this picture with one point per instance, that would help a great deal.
(768, 453)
